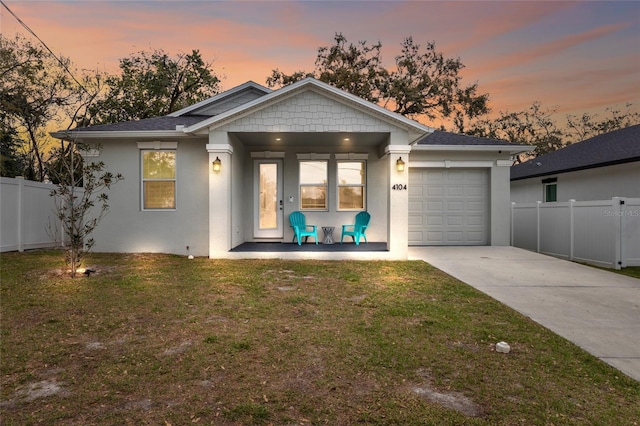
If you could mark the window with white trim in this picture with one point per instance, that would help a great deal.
(550, 187)
(313, 185)
(158, 179)
(352, 187)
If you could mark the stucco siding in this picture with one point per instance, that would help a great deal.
(126, 228)
(602, 183)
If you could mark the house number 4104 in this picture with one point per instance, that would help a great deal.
(399, 187)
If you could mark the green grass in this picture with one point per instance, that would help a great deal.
(159, 339)
(630, 271)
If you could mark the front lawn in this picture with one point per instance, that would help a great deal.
(163, 340)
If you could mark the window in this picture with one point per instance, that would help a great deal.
(550, 190)
(158, 179)
(351, 185)
(313, 185)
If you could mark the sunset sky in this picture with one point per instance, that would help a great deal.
(577, 56)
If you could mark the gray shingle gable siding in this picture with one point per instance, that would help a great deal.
(439, 137)
(617, 147)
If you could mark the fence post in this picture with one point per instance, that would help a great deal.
(538, 203)
(616, 213)
(20, 208)
(571, 229)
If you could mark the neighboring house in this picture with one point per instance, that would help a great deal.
(230, 170)
(598, 168)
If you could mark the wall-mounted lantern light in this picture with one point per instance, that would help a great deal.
(217, 165)
(400, 165)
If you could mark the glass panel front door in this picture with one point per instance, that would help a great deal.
(268, 199)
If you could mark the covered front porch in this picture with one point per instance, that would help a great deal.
(329, 177)
(312, 148)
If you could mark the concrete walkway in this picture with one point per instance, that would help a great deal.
(597, 310)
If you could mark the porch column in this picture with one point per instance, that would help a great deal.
(500, 199)
(219, 195)
(398, 208)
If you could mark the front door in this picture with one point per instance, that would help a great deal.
(268, 208)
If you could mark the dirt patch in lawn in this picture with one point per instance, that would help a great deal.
(452, 400)
(36, 390)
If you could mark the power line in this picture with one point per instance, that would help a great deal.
(30, 31)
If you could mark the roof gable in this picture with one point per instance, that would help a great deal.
(225, 101)
(414, 128)
(307, 112)
(620, 146)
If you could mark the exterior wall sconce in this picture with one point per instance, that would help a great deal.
(400, 165)
(217, 165)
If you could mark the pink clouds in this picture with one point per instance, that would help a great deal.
(576, 55)
(543, 50)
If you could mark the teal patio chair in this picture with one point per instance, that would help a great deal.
(301, 229)
(358, 229)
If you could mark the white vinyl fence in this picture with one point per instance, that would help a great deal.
(604, 233)
(27, 216)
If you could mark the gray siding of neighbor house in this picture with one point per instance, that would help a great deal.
(601, 183)
(126, 228)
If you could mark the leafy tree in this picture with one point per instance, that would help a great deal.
(533, 126)
(424, 83)
(588, 125)
(538, 126)
(81, 199)
(34, 90)
(11, 162)
(353, 68)
(153, 84)
(430, 84)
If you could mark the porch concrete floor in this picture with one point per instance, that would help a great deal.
(308, 247)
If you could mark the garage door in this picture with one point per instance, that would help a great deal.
(449, 207)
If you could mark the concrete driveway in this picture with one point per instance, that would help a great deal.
(597, 310)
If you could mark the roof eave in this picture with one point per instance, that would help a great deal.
(576, 169)
(511, 149)
(97, 134)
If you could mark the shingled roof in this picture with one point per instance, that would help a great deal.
(439, 137)
(617, 147)
(148, 124)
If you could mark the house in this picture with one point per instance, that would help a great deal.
(599, 168)
(229, 170)
(582, 202)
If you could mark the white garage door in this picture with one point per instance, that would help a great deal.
(449, 207)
